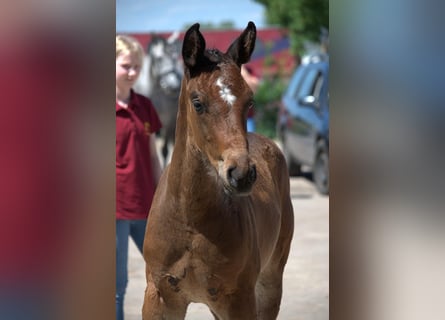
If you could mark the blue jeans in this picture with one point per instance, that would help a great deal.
(125, 229)
(250, 125)
(26, 303)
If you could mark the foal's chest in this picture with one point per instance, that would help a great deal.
(204, 272)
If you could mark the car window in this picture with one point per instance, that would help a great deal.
(318, 85)
(308, 80)
(308, 84)
(294, 85)
(324, 98)
(321, 89)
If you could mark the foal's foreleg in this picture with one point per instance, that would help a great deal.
(269, 286)
(157, 307)
(237, 306)
(268, 294)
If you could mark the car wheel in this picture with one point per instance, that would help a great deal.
(293, 167)
(321, 169)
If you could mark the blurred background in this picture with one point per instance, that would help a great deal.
(290, 34)
(287, 30)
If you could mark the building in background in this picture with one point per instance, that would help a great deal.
(271, 56)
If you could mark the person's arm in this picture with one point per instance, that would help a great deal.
(156, 164)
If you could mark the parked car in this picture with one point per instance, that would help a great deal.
(304, 121)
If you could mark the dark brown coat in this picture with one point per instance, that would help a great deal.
(221, 223)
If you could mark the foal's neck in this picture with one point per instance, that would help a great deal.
(196, 188)
(190, 166)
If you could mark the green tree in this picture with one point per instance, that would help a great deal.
(303, 18)
(267, 99)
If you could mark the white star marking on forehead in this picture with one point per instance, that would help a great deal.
(225, 92)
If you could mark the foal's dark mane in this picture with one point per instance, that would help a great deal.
(214, 55)
(212, 60)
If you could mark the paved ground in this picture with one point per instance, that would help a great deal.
(306, 276)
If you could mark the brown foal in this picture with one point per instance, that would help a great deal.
(220, 227)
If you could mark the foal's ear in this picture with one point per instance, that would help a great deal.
(193, 46)
(241, 49)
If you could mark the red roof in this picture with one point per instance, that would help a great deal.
(270, 42)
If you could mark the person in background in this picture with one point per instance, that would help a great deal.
(138, 167)
(253, 82)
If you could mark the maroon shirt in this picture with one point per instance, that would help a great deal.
(135, 183)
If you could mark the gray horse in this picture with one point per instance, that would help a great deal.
(160, 80)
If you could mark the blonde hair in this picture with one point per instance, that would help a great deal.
(126, 44)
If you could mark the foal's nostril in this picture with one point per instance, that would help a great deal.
(242, 180)
(230, 171)
(232, 176)
(251, 175)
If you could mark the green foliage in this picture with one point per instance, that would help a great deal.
(267, 99)
(303, 18)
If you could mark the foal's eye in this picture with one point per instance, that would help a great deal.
(199, 107)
